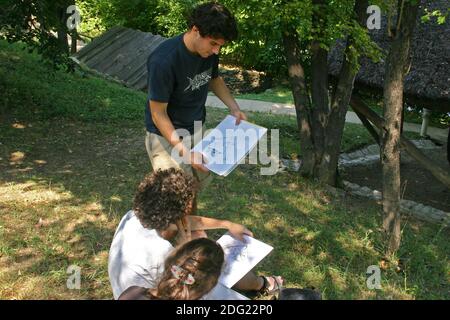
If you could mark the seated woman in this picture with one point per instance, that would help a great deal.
(190, 272)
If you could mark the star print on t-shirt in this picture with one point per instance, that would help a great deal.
(199, 80)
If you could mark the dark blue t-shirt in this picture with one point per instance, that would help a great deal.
(180, 78)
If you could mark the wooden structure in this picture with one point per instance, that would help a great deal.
(427, 83)
(121, 54)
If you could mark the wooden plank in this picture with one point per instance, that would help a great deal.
(110, 50)
(142, 83)
(121, 63)
(96, 44)
(133, 58)
(141, 75)
(98, 50)
(369, 127)
(137, 67)
(140, 60)
(141, 71)
(116, 59)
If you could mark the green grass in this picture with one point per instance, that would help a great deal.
(66, 181)
(277, 94)
(43, 93)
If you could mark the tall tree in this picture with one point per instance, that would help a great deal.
(321, 112)
(321, 119)
(40, 24)
(307, 29)
(397, 64)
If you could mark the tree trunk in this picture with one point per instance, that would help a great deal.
(340, 101)
(396, 63)
(74, 38)
(335, 121)
(301, 98)
(319, 94)
(62, 30)
(321, 125)
(320, 110)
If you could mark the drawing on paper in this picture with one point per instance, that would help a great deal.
(240, 257)
(234, 253)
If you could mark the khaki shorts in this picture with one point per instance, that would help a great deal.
(159, 151)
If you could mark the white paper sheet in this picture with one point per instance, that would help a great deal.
(220, 292)
(240, 257)
(228, 144)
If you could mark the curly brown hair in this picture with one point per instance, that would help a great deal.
(163, 197)
(215, 20)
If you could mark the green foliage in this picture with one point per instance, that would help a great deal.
(172, 19)
(259, 45)
(166, 18)
(136, 14)
(260, 24)
(440, 16)
(93, 17)
(35, 23)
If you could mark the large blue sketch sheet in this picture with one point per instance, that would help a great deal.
(228, 144)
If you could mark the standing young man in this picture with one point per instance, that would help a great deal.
(180, 72)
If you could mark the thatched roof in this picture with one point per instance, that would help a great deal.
(428, 82)
(121, 53)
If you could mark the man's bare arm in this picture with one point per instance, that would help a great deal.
(220, 89)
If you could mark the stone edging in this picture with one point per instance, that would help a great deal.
(371, 154)
(416, 209)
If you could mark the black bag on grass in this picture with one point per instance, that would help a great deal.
(299, 294)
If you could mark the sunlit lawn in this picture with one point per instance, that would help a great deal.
(65, 182)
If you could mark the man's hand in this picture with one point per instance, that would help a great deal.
(197, 162)
(238, 231)
(239, 115)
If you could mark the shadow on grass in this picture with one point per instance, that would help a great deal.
(75, 181)
(91, 170)
(327, 243)
(41, 239)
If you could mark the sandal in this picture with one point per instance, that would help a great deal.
(277, 284)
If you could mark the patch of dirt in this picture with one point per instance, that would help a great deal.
(417, 183)
(244, 81)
